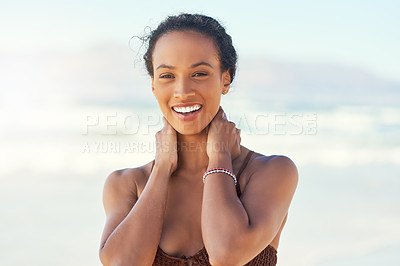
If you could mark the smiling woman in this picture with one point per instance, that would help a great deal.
(188, 74)
(205, 199)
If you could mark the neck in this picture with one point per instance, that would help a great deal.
(192, 152)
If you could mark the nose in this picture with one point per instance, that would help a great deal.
(183, 89)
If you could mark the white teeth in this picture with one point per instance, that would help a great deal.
(187, 109)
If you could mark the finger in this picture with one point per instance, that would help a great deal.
(224, 116)
(220, 112)
(239, 137)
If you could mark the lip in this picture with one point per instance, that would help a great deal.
(189, 116)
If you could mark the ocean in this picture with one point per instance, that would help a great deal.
(62, 136)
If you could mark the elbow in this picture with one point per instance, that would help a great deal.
(223, 261)
(227, 251)
(216, 255)
(215, 261)
(107, 260)
(222, 257)
(227, 259)
(231, 253)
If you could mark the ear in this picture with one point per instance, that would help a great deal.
(226, 81)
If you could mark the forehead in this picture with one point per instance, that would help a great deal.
(184, 48)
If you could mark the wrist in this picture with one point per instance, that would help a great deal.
(219, 155)
(164, 166)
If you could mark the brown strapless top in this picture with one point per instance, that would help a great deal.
(266, 257)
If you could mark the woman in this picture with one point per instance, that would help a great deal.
(177, 210)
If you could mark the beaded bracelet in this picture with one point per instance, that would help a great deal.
(219, 170)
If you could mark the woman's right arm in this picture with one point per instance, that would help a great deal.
(133, 226)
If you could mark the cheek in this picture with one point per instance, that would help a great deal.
(161, 92)
(162, 99)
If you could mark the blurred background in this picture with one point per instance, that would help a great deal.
(317, 81)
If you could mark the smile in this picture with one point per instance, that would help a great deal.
(187, 109)
(187, 113)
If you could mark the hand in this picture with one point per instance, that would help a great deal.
(223, 137)
(166, 147)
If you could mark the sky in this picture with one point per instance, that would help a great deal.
(361, 34)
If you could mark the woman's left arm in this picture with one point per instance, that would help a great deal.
(236, 230)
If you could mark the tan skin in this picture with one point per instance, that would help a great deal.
(169, 205)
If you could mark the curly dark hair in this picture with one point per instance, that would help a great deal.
(198, 23)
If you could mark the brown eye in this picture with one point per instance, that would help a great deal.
(199, 74)
(166, 76)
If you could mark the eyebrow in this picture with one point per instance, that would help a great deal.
(201, 64)
(192, 66)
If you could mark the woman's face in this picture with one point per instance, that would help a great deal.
(188, 81)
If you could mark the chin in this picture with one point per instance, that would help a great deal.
(190, 130)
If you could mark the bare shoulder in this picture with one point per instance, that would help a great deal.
(120, 187)
(123, 178)
(128, 177)
(277, 168)
(275, 161)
